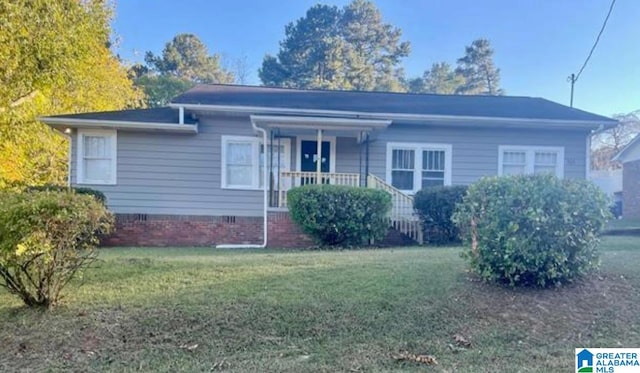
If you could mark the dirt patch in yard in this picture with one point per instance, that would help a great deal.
(574, 314)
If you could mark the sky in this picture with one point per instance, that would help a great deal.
(537, 43)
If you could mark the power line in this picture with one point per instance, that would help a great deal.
(573, 78)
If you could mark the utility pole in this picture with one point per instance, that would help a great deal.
(572, 79)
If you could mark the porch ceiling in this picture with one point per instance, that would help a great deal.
(319, 123)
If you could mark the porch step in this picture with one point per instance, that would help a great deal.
(396, 238)
(402, 218)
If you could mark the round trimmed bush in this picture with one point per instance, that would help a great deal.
(340, 215)
(436, 206)
(47, 238)
(532, 230)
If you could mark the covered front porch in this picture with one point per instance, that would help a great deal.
(312, 150)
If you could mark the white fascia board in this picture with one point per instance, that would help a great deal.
(569, 124)
(344, 124)
(62, 123)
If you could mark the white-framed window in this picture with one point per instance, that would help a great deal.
(97, 157)
(244, 160)
(529, 160)
(413, 166)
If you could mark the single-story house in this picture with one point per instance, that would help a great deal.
(198, 172)
(630, 159)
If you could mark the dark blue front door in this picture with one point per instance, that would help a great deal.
(309, 154)
(309, 157)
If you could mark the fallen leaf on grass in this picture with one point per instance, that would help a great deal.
(189, 347)
(221, 365)
(461, 341)
(424, 359)
(455, 349)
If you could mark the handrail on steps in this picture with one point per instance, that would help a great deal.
(403, 216)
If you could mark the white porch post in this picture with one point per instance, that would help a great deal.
(319, 157)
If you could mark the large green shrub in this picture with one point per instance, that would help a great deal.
(340, 215)
(46, 238)
(532, 230)
(60, 188)
(436, 206)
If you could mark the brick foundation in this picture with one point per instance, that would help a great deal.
(631, 190)
(283, 233)
(185, 231)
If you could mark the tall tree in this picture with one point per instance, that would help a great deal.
(605, 145)
(55, 58)
(184, 62)
(241, 69)
(160, 89)
(308, 54)
(186, 57)
(480, 73)
(440, 79)
(347, 48)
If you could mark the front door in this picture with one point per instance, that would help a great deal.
(309, 158)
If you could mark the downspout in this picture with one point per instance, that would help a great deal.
(366, 163)
(67, 133)
(270, 165)
(587, 171)
(265, 201)
(363, 179)
(319, 157)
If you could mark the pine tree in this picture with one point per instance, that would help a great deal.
(478, 70)
(184, 62)
(348, 48)
(440, 79)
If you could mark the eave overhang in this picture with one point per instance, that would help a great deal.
(62, 124)
(451, 120)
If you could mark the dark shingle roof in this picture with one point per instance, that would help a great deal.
(385, 102)
(155, 115)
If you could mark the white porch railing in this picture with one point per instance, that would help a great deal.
(289, 179)
(403, 217)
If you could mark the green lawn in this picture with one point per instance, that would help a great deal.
(237, 310)
(624, 224)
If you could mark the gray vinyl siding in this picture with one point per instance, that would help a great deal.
(348, 154)
(475, 150)
(163, 173)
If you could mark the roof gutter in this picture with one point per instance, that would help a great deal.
(391, 116)
(339, 124)
(63, 123)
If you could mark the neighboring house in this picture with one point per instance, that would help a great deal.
(610, 181)
(630, 159)
(194, 173)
